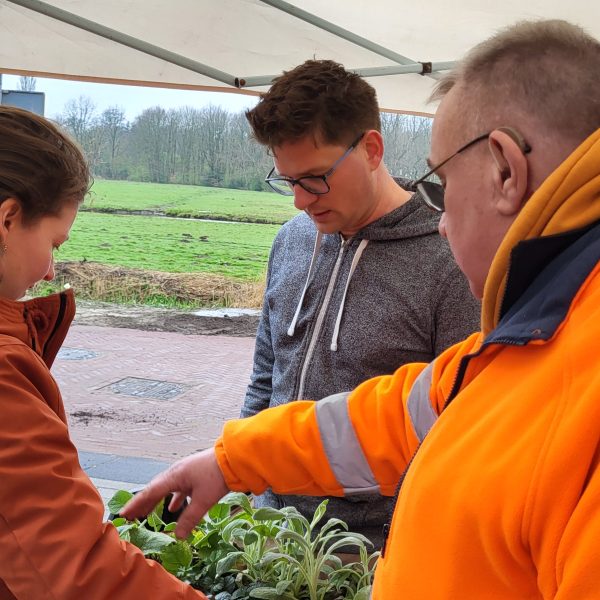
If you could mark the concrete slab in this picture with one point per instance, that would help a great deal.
(132, 470)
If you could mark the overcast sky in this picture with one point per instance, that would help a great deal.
(132, 99)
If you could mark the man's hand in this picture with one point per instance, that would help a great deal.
(197, 476)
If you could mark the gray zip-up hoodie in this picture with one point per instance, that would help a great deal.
(352, 309)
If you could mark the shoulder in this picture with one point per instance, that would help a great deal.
(300, 226)
(18, 362)
(298, 233)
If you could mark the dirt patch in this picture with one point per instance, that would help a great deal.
(96, 281)
(85, 416)
(146, 318)
(97, 287)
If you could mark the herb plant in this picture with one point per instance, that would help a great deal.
(238, 552)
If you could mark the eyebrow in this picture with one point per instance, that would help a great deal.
(429, 163)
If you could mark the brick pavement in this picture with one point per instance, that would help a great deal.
(100, 367)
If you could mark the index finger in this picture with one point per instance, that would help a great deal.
(145, 501)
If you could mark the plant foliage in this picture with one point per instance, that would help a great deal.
(239, 552)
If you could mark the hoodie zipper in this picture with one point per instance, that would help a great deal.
(320, 319)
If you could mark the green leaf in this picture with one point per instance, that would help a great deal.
(235, 529)
(219, 511)
(118, 501)
(270, 557)
(319, 512)
(251, 537)
(282, 586)
(170, 527)
(237, 499)
(150, 542)
(125, 531)
(265, 593)
(267, 513)
(154, 518)
(285, 534)
(176, 556)
(119, 521)
(228, 562)
(364, 593)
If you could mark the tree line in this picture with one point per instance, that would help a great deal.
(207, 146)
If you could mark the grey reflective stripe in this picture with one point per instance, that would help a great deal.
(342, 448)
(421, 412)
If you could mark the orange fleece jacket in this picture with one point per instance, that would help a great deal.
(502, 500)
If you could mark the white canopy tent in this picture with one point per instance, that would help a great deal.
(240, 45)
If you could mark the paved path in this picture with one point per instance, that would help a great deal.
(137, 400)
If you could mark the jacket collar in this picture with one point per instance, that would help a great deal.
(41, 323)
(534, 306)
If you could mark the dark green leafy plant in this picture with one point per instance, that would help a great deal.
(238, 552)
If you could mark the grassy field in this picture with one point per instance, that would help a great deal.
(191, 201)
(229, 259)
(238, 250)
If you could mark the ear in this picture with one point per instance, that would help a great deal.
(10, 214)
(373, 144)
(510, 172)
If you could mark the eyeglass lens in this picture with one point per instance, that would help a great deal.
(313, 185)
(433, 194)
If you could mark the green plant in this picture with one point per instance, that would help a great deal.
(238, 552)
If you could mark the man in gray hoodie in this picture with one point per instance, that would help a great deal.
(360, 282)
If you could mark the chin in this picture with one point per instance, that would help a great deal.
(326, 228)
(476, 290)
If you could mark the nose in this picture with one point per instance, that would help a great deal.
(442, 226)
(302, 198)
(49, 276)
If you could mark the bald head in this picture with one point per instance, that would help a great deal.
(540, 77)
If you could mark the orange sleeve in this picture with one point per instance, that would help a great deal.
(53, 543)
(282, 447)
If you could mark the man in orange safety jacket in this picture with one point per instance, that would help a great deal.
(495, 445)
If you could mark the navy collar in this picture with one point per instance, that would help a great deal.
(544, 275)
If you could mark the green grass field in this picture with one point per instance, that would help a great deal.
(191, 201)
(238, 250)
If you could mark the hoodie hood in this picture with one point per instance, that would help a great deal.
(412, 219)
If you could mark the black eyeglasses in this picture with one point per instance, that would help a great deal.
(313, 184)
(433, 193)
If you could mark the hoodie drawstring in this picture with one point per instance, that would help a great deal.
(311, 269)
(355, 259)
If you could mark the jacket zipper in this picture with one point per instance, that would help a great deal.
(320, 319)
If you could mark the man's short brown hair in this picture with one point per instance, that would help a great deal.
(318, 98)
(545, 72)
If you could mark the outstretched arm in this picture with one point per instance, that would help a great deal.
(345, 444)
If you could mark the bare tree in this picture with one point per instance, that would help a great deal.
(113, 122)
(80, 118)
(407, 140)
(27, 84)
(214, 129)
(246, 161)
(150, 144)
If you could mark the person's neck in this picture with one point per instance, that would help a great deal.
(389, 194)
(388, 197)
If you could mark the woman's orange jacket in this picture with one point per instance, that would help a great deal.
(53, 543)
